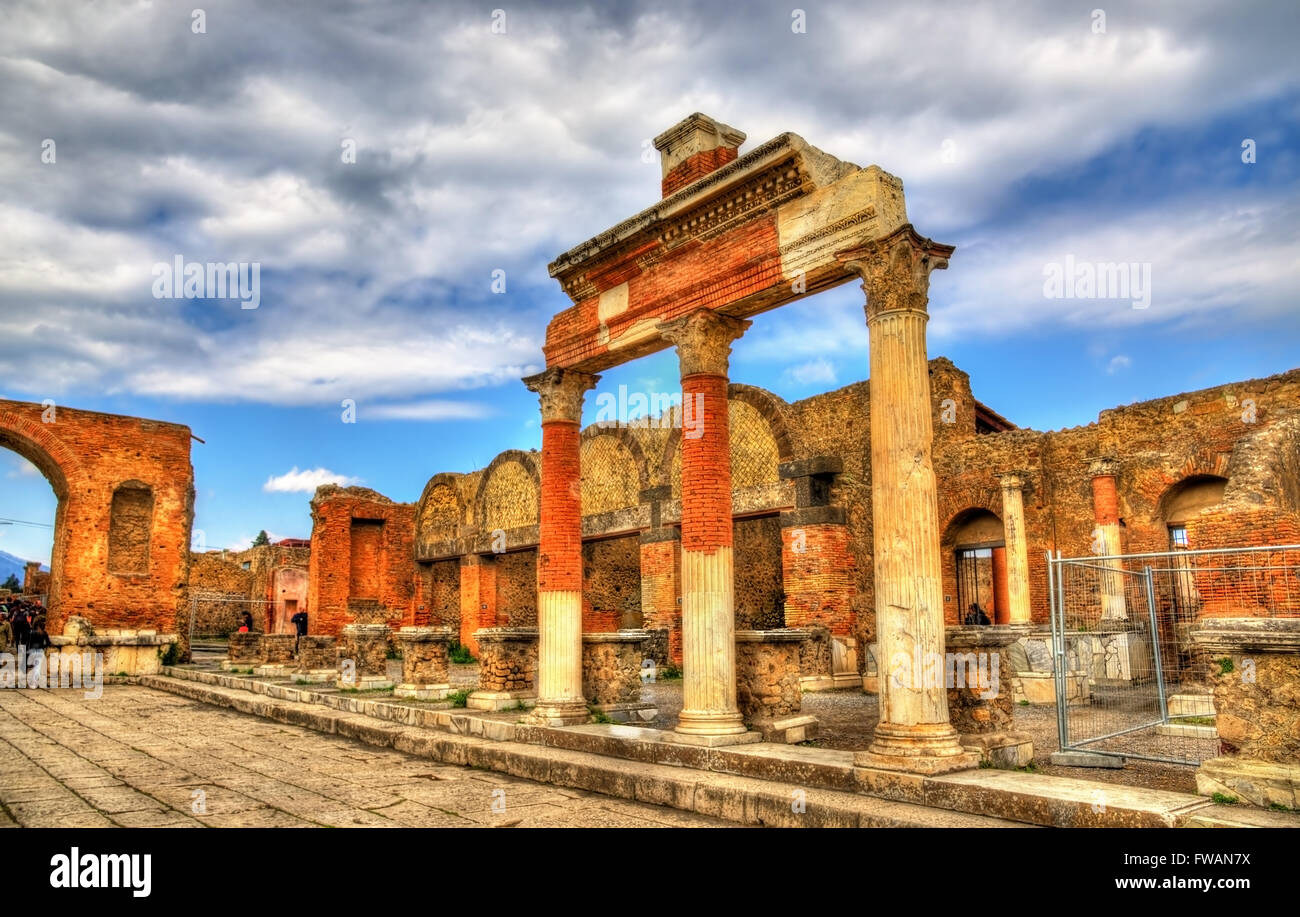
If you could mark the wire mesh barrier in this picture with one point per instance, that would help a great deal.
(1129, 681)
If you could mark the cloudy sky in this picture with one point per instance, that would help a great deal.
(1025, 134)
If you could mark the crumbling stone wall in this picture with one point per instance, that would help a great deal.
(220, 588)
(1258, 704)
(362, 549)
(125, 488)
(611, 587)
(516, 589)
(507, 661)
(760, 592)
(611, 671)
(767, 677)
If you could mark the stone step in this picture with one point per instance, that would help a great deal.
(743, 800)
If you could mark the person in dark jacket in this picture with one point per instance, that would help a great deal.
(299, 622)
(21, 628)
(976, 615)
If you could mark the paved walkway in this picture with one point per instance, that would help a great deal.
(137, 757)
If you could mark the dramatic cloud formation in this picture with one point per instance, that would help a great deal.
(379, 162)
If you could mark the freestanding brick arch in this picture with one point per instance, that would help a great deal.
(125, 491)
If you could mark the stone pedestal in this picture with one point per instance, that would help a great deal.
(121, 651)
(977, 677)
(424, 662)
(768, 684)
(1257, 699)
(611, 675)
(275, 652)
(318, 659)
(507, 675)
(363, 658)
(243, 652)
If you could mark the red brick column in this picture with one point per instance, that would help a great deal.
(709, 710)
(1105, 540)
(1001, 595)
(478, 597)
(560, 700)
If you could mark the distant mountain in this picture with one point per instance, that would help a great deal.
(11, 564)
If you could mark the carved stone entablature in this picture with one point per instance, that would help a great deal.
(703, 341)
(895, 270)
(560, 392)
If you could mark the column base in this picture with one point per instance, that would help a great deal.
(699, 723)
(559, 713)
(925, 748)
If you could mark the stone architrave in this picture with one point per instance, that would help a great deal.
(709, 713)
(1017, 550)
(913, 733)
(559, 552)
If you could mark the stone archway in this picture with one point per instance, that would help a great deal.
(125, 491)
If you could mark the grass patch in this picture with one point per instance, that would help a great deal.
(1194, 721)
(668, 672)
(1225, 665)
(1024, 703)
(1278, 807)
(1223, 799)
(173, 654)
(460, 654)
(301, 681)
(985, 763)
(459, 698)
(598, 716)
(1030, 768)
(365, 690)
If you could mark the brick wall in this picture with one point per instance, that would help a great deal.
(362, 548)
(87, 458)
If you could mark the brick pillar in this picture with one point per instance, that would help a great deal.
(709, 709)
(1017, 550)
(560, 701)
(478, 597)
(1105, 508)
(1001, 610)
(913, 733)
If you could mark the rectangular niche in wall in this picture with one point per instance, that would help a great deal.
(130, 527)
(367, 543)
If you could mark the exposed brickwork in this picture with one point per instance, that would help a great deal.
(89, 457)
(478, 597)
(611, 594)
(697, 166)
(362, 548)
(706, 468)
(1105, 499)
(661, 567)
(559, 567)
(819, 573)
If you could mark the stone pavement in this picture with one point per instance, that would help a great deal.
(142, 758)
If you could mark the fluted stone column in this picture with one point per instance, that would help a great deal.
(709, 713)
(914, 733)
(559, 552)
(1017, 549)
(1105, 507)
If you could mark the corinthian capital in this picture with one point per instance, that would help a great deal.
(703, 340)
(1103, 466)
(560, 391)
(895, 270)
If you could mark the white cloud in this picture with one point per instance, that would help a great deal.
(424, 410)
(1117, 362)
(306, 481)
(814, 372)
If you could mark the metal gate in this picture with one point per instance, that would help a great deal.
(1129, 682)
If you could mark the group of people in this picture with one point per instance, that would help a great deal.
(22, 624)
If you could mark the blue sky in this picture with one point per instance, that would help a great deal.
(1023, 138)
